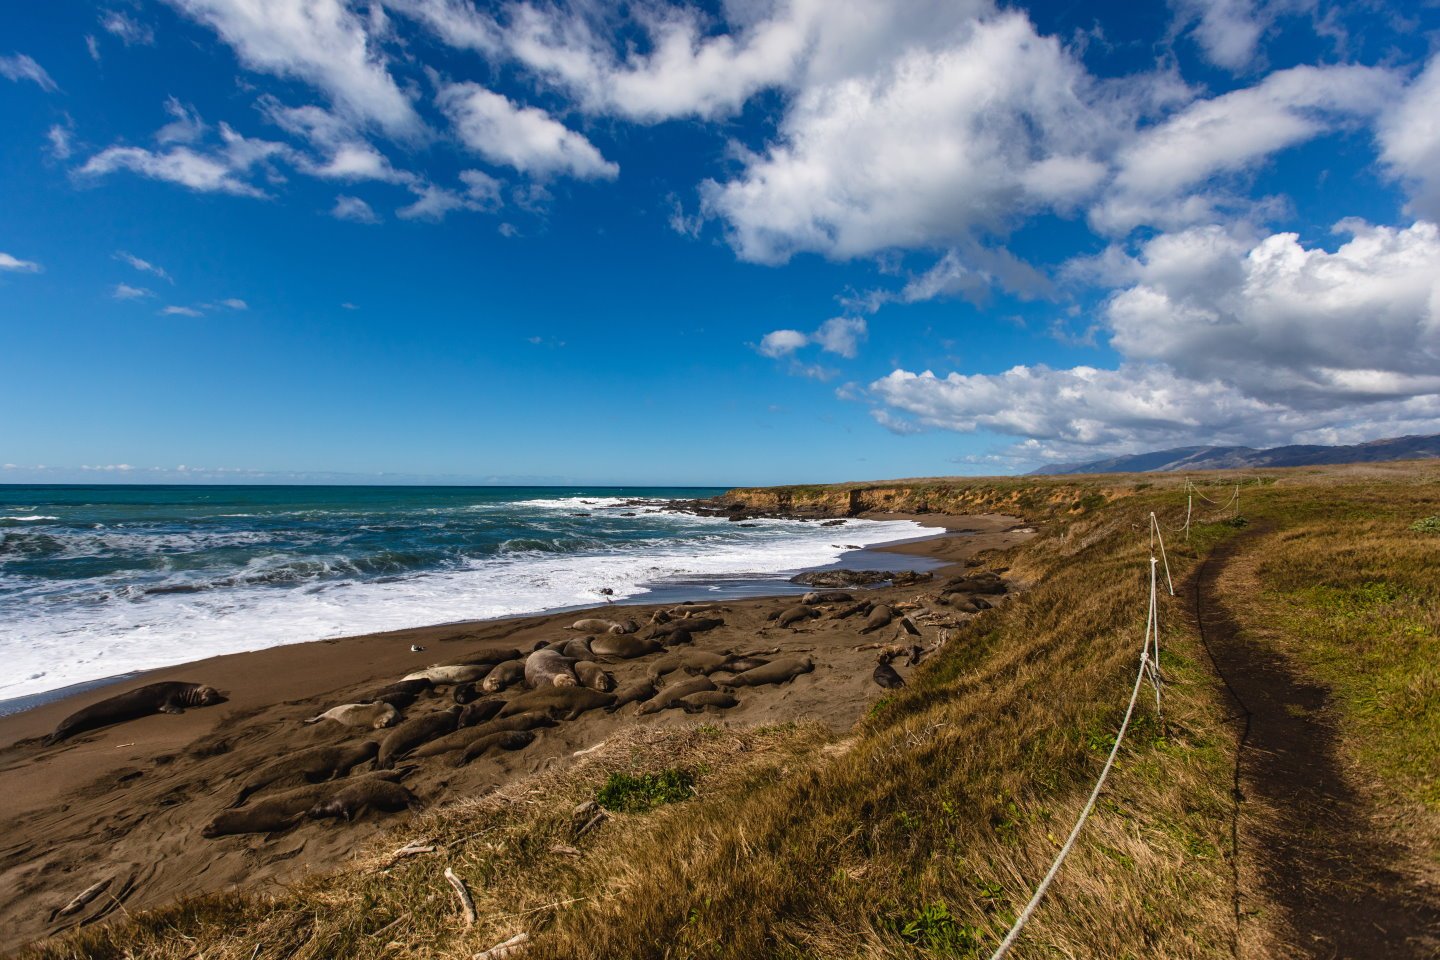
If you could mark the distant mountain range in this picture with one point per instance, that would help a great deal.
(1229, 458)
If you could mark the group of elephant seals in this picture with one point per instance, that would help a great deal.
(504, 740)
(375, 715)
(284, 810)
(568, 702)
(170, 696)
(414, 732)
(669, 696)
(313, 765)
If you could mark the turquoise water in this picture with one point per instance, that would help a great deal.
(101, 580)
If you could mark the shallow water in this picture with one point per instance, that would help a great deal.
(104, 580)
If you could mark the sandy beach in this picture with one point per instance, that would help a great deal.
(128, 803)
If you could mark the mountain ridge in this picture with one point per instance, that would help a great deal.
(1412, 447)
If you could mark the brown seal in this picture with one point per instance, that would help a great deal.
(547, 668)
(463, 738)
(796, 614)
(314, 765)
(691, 661)
(827, 596)
(479, 711)
(284, 810)
(706, 700)
(504, 740)
(667, 697)
(368, 794)
(637, 691)
(594, 625)
(568, 702)
(505, 674)
(594, 676)
(776, 671)
(412, 733)
(879, 617)
(624, 646)
(886, 676)
(462, 673)
(577, 649)
(401, 693)
(166, 697)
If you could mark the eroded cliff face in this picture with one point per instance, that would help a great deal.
(1031, 499)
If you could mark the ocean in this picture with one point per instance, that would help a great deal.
(101, 581)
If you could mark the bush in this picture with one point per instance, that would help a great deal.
(1427, 525)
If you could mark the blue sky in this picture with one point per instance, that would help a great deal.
(748, 243)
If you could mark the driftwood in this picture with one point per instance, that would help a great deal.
(512, 947)
(414, 848)
(467, 902)
(82, 898)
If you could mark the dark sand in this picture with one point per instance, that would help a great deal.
(128, 802)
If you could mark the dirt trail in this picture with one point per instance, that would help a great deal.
(1307, 846)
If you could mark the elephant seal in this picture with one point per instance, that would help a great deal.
(369, 794)
(637, 691)
(465, 693)
(776, 671)
(440, 676)
(504, 675)
(313, 765)
(667, 697)
(412, 733)
(505, 740)
(691, 661)
(691, 625)
(827, 596)
(461, 739)
(577, 649)
(479, 711)
(879, 617)
(741, 664)
(372, 715)
(401, 693)
(593, 625)
(706, 700)
(626, 647)
(568, 702)
(796, 614)
(283, 810)
(886, 676)
(594, 676)
(166, 697)
(844, 613)
(547, 668)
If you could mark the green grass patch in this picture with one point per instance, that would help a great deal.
(624, 793)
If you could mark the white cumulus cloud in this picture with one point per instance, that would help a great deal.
(1410, 140)
(353, 209)
(526, 138)
(15, 264)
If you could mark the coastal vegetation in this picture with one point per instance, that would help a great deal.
(923, 831)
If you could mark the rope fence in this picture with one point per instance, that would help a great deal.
(1149, 668)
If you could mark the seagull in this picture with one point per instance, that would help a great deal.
(416, 648)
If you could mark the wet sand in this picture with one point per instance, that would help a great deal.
(127, 803)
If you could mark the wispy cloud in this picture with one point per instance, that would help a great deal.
(15, 264)
(19, 67)
(144, 266)
(174, 311)
(123, 291)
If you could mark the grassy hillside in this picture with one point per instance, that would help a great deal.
(923, 832)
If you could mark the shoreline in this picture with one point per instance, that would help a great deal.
(129, 801)
(741, 588)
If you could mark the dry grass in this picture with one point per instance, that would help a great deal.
(924, 832)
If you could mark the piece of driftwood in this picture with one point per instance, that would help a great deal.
(510, 948)
(462, 893)
(82, 898)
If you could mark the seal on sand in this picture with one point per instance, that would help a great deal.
(594, 676)
(401, 693)
(442, 675)
(284, 810)
(706, 699)
(624, 646)
(414, 732)
(505, 740)
(463, 738)
(796, 614)
(479, 711)
(313, 765)
(886, 676)
(879, 617)
(637, 691)
(577, 649)
(593, 625)
(569, 702)
(547, 668)
(355, 798)
(167, 697)
(667, 697)
(372, 715)
(504, 675)
(776, 671)
(827, 596)
(691, 661)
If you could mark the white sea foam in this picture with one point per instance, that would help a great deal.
(30, 519)
(48, 645)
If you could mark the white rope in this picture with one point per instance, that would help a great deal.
(1151, 620)
(1154, 536)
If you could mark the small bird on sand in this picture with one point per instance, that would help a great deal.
(416, 648)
